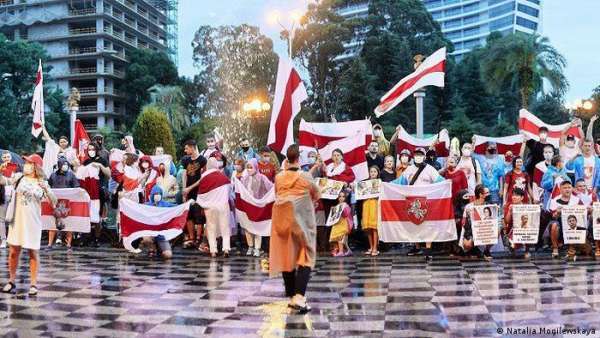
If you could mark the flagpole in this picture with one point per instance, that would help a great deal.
(419, 96)
(73, 105)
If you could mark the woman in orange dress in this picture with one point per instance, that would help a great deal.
(293, 233)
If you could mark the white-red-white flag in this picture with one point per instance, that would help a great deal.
(253, 214)
(139, 220)
(416, 213)
(289, 94)
(407, 141)
(89, 180)
(72, 210)
(529, 126)
(430, 73)
(354, 154)
(80, 140)
(504, 144)
(37, 103)
(213, 190)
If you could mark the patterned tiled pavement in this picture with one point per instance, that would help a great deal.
(106, 292)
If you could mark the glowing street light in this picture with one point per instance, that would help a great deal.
(579, 105)
(295, 16)
(256, 108)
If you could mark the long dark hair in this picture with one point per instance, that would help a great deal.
(2, 192)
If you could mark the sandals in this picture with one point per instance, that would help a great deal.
(374, 253)
(9, 287)
(32, 290)
(368, 252)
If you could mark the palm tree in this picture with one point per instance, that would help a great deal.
(524, 62)
(170, 100)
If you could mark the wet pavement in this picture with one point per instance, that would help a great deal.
(107, 292)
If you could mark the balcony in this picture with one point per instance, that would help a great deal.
(88, 108)
(77, 71)
(82, 12)
(7, 2)
(88, 90)
(85, 50)
(91, 91)
(82, 31)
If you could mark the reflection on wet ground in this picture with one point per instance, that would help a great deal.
(106, 292)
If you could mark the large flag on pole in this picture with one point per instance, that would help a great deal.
(253, 214)
(441, 141)
(416, 213)
(430, 73)
(37, 104)
(139, 220)
(289, 94)
(529, 126)
(80, 140)
(72, 210)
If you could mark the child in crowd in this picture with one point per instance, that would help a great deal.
(517, 197)
(343, 227)
(265, 164)
(369, 217)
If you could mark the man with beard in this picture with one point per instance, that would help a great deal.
(373, 157)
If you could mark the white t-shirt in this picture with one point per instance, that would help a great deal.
(428, 176)
(466, 165)
(588, 169)
(556, 202)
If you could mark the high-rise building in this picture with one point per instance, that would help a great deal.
(88, 42)
(466, 23)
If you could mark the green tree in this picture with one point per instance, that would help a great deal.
(550, 109)
(194, 97)
(170, 99)
(152, 129)
(357, 97)
(146, 68)
(461, 127)
(523, 61)
(318, 43)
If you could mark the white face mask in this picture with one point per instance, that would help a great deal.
(145, 165)
(157, 198)
(548, 155)
(466, 152)
(92, 153)
(404, 159)
(419, 159)
(312, 160)
(64, 168)
(238, 167)
(28, 169)
(376, 132)
(250, 171)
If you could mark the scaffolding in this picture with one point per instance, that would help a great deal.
(171, 10)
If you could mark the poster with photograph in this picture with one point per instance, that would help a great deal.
(484, 224)
(596, 220)
(330, 189)
(574, 224)
(335, 214)
(526, 223)
(367, 189)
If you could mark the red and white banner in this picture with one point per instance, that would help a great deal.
(253, 214)
(213, 190)
(139, 220)
(72, 210)
(81, 140)
(37, 103)
(407, 141)
(289, 95)
(530, 124)
(89, 180)
(354, 154)
(416, 213)
(506, 143)
(430, 73)
(116, 156)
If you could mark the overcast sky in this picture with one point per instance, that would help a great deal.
(566, 23)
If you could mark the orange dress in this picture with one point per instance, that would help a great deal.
(293, 230)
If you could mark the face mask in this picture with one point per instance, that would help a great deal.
(419, 159)
(548, 156)
(543, 136)
(466, 153)
(237, 167)
(28, 169)
(404, 159)
(122, 147)
(570, 144)
(245, 149)
(250, 171)
(92, 153)
(64, 168)
(491, 151)
(377, 133)
(266, 159)
(488, 199)
(157, 198)
(312, 160)
(145, 165)
(6, 160)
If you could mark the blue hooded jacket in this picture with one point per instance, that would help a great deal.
(157, 190)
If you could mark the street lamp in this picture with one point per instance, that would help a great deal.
(274, 17)
(256, 108)
(579, 105)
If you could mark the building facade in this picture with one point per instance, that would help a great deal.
(88, 42)
(466, 23)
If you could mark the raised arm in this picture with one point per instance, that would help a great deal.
(590, 128)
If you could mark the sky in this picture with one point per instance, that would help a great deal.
(564, 22)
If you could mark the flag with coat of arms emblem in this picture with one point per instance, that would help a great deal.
(416, 213)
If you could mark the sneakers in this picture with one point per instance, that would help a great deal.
(256, 253)
(32, 290)
(554, 253)
(250, 251)
(3, 244)
(299, 305)
(9, 287)
(414, 251)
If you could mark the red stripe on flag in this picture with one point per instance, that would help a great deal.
(353, 157)
(130, 226)
(285, 115)
(531, 127)
(253, 212)
(397, 210)
(502, 148)
(308, 139)
(77, 209)
(212, 181)
(437, 68)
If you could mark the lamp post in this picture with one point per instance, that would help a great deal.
(579, 105)
(419, 97)
(256, 108)
(73, 106)
(274, 17)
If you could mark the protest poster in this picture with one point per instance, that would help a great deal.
(367, 189)
(574, 224)
(335, 214)
(596, 220)
(330, 189)
(526, 223)
(484, 224)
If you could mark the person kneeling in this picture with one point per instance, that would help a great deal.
(157, 245)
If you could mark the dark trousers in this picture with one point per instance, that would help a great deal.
(296, 281)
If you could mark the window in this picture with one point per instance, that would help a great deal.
(453, 11)
(450, 2)
(526, 23)
(472, 43)
(471, 31)
(537, 2)
(471, 7)
(432, 3)
(502, 9)
(452, 23)
(436, 15)
(454, 35)
(500, 23)
(528, 10)
(471, 19)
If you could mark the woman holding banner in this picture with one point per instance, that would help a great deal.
(25, 214)
(258, 185)
(466, 238)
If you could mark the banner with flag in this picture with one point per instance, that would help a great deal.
(72, 211)
(139, 220)
(81, 140)
(89, 180)
(253, 214)
(416, 213)
(289, 94)
(354, 154)
(213, 190)
(529, 126)
(430, 73)
(37, 103)
(506, 143)
(407, 141)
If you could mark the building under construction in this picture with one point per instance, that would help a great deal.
(88, 42)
